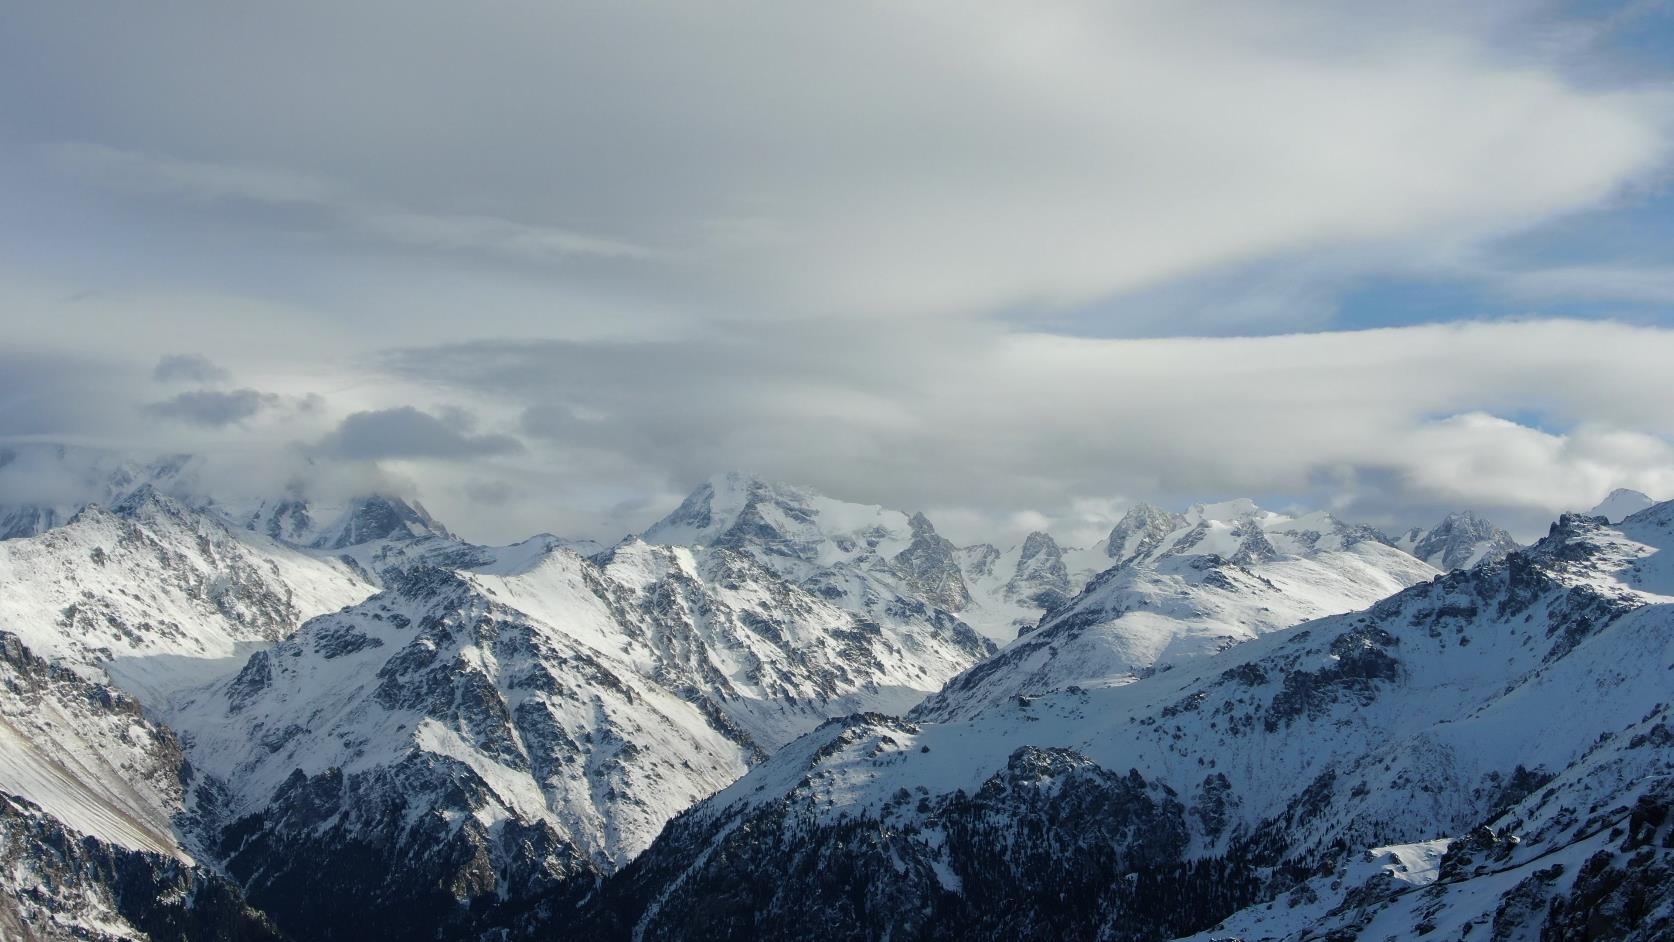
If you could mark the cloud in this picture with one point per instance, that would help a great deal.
(334, 206)
(405, 432)
(188, 367)
(214, 408)
(861, 159)
(827, 244)
(1390, 426)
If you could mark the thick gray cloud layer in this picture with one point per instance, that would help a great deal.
(188, 367)
(549, 264)
(405, 432)
(214, 408)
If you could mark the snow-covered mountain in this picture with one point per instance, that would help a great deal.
(884, 565)
(564, 705)
(1621, 504)
(159, 596)
(1491, 748)
(1459, 541)
(1012, 589)
(375, 728)
(1184, 586)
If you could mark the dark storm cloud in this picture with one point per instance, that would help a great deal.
(406, 432)
(188, 367)
(213, 408)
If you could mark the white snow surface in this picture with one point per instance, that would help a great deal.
(1208, 583)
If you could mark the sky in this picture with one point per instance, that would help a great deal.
(546, 266)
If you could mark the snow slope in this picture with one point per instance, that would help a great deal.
(1186, 586)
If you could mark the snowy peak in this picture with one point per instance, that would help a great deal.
(1186, 586)
(1140, 531)
(1238, 530)
(795, 524)
(930, 567)
(1621, 504)
(1226, 511)
(379, 517)
(1041, 577)
(154, 594)
(883, 565)
(1459, 541)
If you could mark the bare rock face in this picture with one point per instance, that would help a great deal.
(1041, 579)
(930, 567)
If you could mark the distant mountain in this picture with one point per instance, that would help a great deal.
(159, 596)
(44, 485)
(1011, 589)
(1459, 541)
(1490, 748)
(1621, 504)
(1184, 586)
(885, 565)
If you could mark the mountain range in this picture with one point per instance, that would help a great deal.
(779, 714)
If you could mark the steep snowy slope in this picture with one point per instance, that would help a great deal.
(1184, 586)
(488, 751)
(160, 596)
(1531, 694)
(86, 754)
(91, 797)
(1460, 541)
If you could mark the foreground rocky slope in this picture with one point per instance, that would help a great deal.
(1490, 747)
(102, 847)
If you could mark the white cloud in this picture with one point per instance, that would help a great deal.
(212, 182)
(767, 160)
(639, 238)
(1386, 425)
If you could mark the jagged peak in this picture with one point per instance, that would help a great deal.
(1038, 542)
(380, 517)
